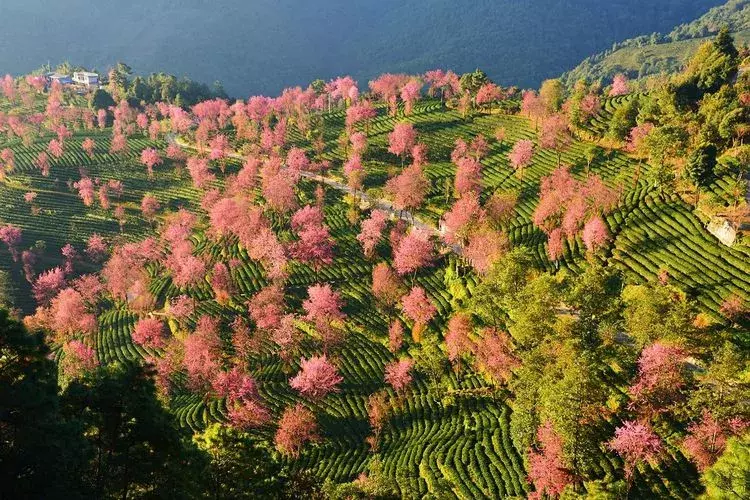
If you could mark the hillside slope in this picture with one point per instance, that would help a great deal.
(651, 54)
(263, 46)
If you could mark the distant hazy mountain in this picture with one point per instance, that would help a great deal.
(256, 46)
(656, 53)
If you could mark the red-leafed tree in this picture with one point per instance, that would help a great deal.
(547, 469)
(494, 355)
(267, 307)
(297, 426)
(458, 341)
(398, 374)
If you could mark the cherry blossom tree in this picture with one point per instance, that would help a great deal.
(149, 206)
(69, 315)
(149, 332)
(8, 157)
(595, 234)
(42, 163)
(521, 154)
(323, 304)
(410, 93)
(314, 246)
(418, 307)
(70, 255)
(660, 378)
(221, 283)
(457, 338)
(101, 118)
(354, 172)
(619, 85)
(414, 251)
(317, 378)
(386, 285)
(199, 172)
(202, 353)
(468, 177)
(297, 426)
(636, 443)
(402, 139)
(150, 158)
(11, 235)
(395, 336)
(398, 374)
(494, 355)
(55, 148)
(707, 438)
(267, 307)
(555, 134)
(78, 358)
(487, 94)
(47, 285)
(372, 231)
(409, 188)
(85, 190)
(547, 469)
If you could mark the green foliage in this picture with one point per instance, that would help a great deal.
(134, 447)
(729, 477)
(101, 99)
(40, 452)
(241, 466)
(701, 163)
(715, 63)
(471, 82)
(724, 388)
(623, 120)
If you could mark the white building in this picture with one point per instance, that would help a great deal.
(86, 78)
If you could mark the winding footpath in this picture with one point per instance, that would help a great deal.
(379, 203)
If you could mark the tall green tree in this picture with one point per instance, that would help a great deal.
(135, 446)
(41, 453)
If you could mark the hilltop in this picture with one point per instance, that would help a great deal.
(263, 46)
(656, 53)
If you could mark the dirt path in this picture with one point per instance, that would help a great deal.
(379, 203)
